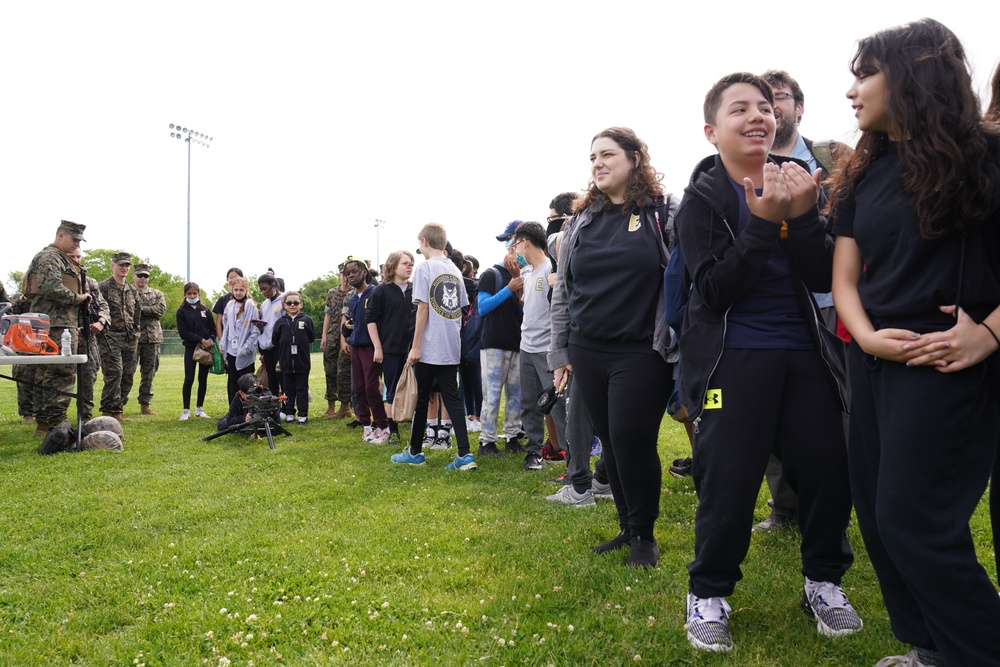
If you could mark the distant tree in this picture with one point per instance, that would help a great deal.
(14, 279)
(314, 296)
(98, 265)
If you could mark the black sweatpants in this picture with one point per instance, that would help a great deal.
(922, 447)
(626, 395)
(758, 400)
(274, 380)
(234, 374)
(447, 383)
(297, 392)
(190, 365)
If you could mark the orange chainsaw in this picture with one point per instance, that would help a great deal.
(27, 333)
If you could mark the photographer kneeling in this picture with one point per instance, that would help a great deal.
(241, 410)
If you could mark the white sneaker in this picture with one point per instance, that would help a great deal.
(289, 419)
(380, 436)
(185, 415)
(827, 603)
(567, 495)
(200, 412)
(708, 623)
(911, 659)
(369, 433)
(303, 420)
(473, 425)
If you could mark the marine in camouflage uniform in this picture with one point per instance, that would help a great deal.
(120, 340)
(336, 364)
(152, 306)
(51, 285)
(93, 365)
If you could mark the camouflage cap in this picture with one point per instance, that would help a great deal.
(74, 229)
(122, 258)
(139, 269)
(102, 440)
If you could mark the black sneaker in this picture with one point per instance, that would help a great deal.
(513, 446)
(488, 449)
(619, 541)
(533, 462)
(643, 553)
(681, 468)
(354, 424)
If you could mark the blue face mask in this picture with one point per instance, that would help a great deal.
(508, 243)
(193, 301)
(521, 261)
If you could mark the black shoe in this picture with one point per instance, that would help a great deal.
(619, 541)
(643, 553)
(513, 446)
(488, 449)
(681, 468)
(533, 462)
(354, 424)
(775, 520)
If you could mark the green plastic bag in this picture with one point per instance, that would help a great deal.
(218, 363)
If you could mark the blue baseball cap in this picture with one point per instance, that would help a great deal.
(509, 230)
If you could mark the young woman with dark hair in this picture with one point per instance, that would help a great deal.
(617, 346)
(196, 327)
(917, 282)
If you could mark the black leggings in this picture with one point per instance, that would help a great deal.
(232, 386)
(189, 364)
(626, 395)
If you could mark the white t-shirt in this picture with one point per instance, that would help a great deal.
(437, 283)
(536, 325)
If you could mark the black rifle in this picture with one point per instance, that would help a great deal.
(85, 307)
(264, 409)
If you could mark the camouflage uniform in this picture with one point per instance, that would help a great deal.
(119, 341)
(152, 306)
(52, 286)
(89, 375)
(336, 365)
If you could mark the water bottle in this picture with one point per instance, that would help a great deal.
(67, 343)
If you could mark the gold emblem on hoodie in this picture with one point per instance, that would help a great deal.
(634, 224)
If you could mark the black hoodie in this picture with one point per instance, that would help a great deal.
(724, 264)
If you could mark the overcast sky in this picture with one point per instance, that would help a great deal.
(328, 115)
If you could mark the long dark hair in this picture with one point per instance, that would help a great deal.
(643, 181)
(946, 166)
(992, 115)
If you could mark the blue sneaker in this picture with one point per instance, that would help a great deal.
(409, 459)
(467, 462)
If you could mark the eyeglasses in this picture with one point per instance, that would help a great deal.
(782, 97)
(293, 303)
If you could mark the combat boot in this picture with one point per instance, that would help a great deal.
(146, 410)
(344, 411)
(41, 429)
(331, 411)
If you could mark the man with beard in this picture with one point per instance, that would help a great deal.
(789, 105)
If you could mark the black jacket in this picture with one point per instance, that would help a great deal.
(393, 311)
(724, 267)
(300, 332)
(194, 324)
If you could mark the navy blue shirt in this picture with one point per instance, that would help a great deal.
(769, 315)
(358, 305)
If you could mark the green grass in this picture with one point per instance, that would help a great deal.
(181, 552)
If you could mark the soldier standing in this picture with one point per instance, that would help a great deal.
(120, 340)
(99, 315)
(152, 306)
(336, 364)
(51, 285)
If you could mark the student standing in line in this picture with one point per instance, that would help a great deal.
(917, 283)
(239, 337)
(292, 337)
(196, 327)
(390, 326)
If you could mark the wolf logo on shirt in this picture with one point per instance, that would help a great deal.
(444, 296)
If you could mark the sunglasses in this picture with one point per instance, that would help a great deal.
(142, 275)
(293, 303)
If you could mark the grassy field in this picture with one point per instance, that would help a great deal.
(181, 552)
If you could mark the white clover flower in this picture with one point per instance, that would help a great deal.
(251, 618)
(636, 658)
(570, 628)
(223, 610)
(385, 605)
(209, 635)
(501, 641)
(405, 638)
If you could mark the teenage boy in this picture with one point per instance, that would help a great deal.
(439, 292)
(529, 247)
(760, 372)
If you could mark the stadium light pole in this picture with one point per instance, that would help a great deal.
(379, 224)
(190, 137)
